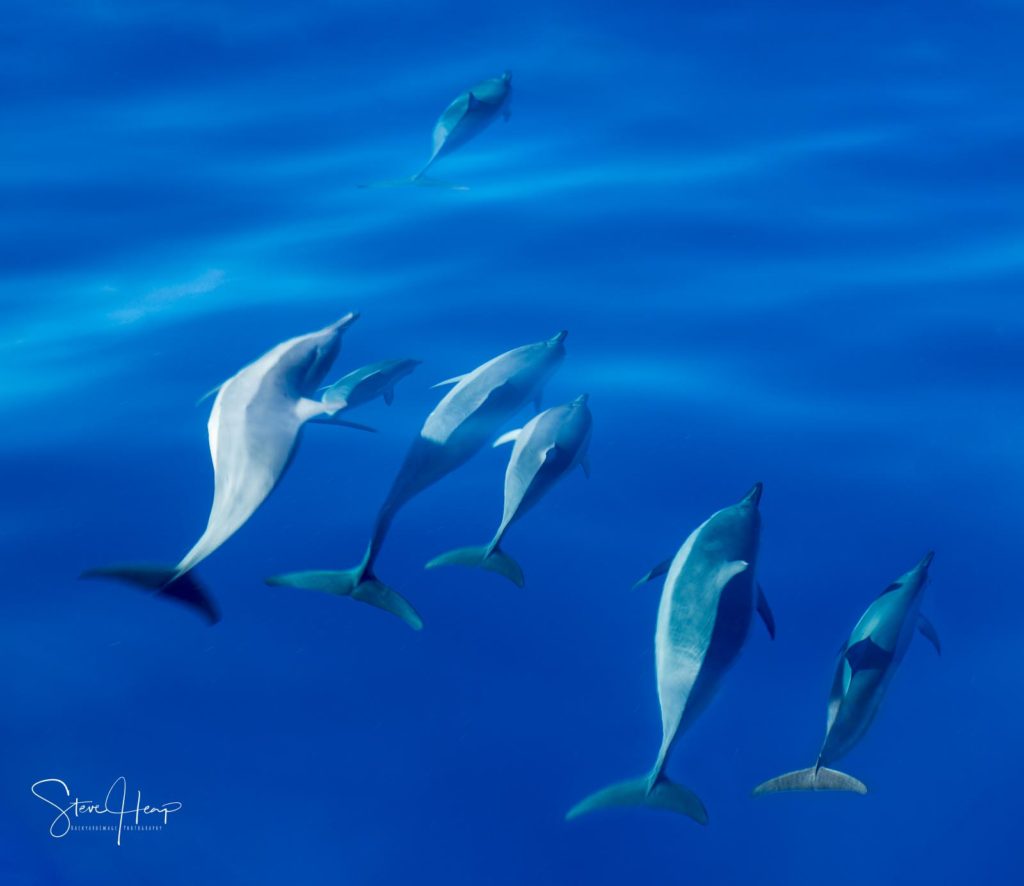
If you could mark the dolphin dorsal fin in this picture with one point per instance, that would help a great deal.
(454, 380)
(507, 437)
(728, 571)
(928, 631)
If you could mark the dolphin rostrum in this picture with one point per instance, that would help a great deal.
(367, 383)
(708, 598)
(470, 414)
(465, 118)
(867, 661)
(546, 448)
(254, 427)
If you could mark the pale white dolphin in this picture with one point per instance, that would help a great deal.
(867, 662)
(709, 596)
(254, 428)
(367, 383)
(546, 448)
(470, 414)
(469, 114)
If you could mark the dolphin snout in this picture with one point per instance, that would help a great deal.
(926, 561)
(558, 338)
(581, 399)
(347, 320)
(754, 496)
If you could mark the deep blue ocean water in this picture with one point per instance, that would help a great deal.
(788, 245)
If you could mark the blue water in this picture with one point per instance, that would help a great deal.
(788, 245)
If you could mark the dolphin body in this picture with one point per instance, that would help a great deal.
(867, 662)
(465, 118)
(254, 427)
(469, 415)
(709, 595)
(546, 448)
(362, 385)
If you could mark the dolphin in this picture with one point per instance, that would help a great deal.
(367, 383)
(469, 114)
(709, 595)
(254, 427)
(546, 448)
(469, 415)
(867, 661)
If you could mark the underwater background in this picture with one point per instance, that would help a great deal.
(787, 241)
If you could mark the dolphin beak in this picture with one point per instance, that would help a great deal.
(926, 561)
(506, 76)
(346, 321)
(754, 496)
(582, 399)
(558, 338)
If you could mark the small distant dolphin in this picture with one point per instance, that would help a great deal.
(866, 664)
(546, 448)
(707, 602)
(367, 383)
(254, 428)
(466, 117)
(470, 414)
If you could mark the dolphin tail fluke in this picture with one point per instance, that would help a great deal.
(493, 559)
(812, 779)
(663, 794)
(355, 583)
(414, 181)
(164, 582)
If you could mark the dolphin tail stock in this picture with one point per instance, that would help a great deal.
(489, 557)
(661, 793)
(359, 583)
(164, 581)
(814, 778)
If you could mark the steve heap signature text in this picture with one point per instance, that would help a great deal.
(115, 804)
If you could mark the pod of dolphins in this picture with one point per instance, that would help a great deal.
(710, 590)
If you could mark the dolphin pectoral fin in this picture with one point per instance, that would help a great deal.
(454, 380)
(210, 393)
(354, 583)
(389, 396)
(585, 464)
(484, 557)
(928, 631)
(812, 779)
(867, 655)
(341, 423)
(472, 102)
(507, 437)
(164, 582)
(664, 794)
(654, 572)
(764, 610)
